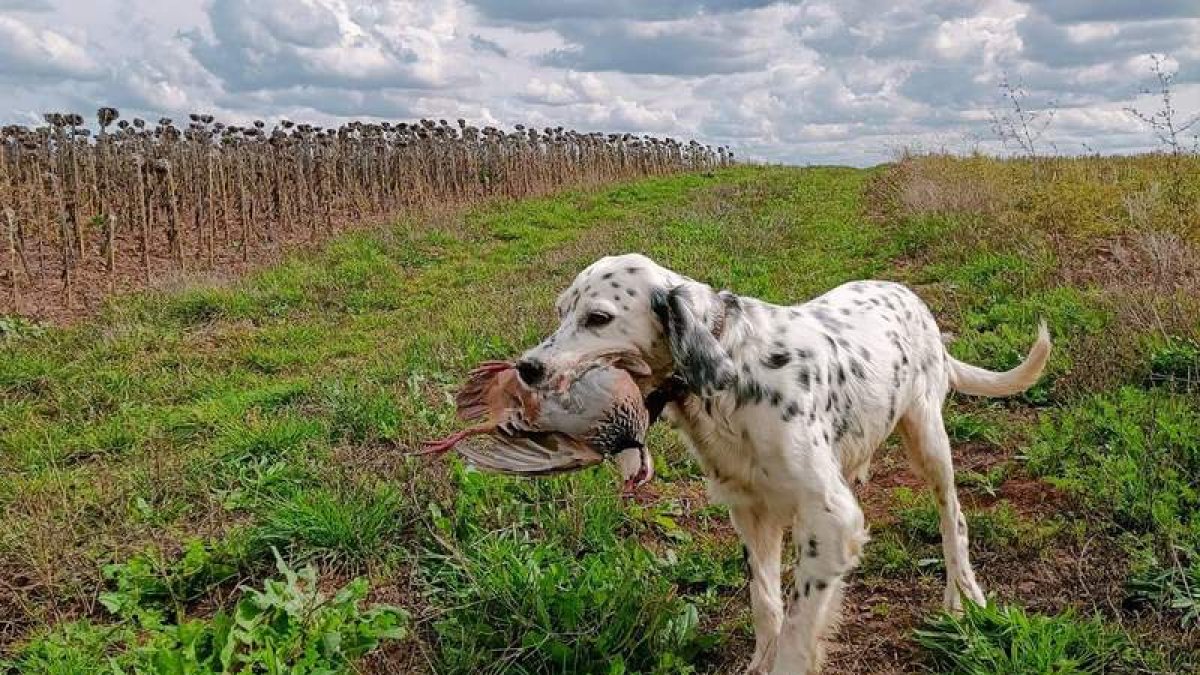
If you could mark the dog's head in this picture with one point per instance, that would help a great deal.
(655, 320)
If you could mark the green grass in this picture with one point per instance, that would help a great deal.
(154, 456)
(1133, 455)
(289, 626)
(577, 596)
(1005, 639)
(348, 524)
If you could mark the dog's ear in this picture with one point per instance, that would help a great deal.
(699, 358)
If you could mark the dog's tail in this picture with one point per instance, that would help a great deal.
(977, 381)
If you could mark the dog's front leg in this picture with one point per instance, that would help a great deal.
(829, 536)
(763, 539)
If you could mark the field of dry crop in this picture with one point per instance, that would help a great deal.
(87, 210)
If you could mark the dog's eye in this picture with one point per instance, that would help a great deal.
(597, 319)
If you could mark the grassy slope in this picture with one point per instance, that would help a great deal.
(277, 411)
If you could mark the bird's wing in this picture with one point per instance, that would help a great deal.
(475, 399)
(538, 454)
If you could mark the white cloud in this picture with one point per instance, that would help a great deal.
(811, 80)
(25, 6)
(571, 88)
(35, 53)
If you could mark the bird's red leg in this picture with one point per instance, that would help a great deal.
(442, 445)
(629, 488)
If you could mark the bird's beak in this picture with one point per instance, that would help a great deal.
(638, 468)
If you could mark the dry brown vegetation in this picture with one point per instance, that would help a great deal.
(83, 214)
(1079, 197)
(1124, 229)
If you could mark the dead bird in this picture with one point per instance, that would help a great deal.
(575, 421)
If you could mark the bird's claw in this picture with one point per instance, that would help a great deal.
(439, 447)
(629, 489)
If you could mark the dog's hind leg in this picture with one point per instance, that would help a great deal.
(924, 434)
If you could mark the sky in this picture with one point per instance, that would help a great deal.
(811, 82)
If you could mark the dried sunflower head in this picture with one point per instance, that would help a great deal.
(106, 116)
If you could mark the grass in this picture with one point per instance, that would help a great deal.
(156, 455)
(1005, 639)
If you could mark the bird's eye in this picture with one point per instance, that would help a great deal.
(597, 319)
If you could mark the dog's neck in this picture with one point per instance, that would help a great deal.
(672, 388)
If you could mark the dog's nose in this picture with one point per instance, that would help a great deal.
(531, 371)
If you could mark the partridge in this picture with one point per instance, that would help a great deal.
(573, 421)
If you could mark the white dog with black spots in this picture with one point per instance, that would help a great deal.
(784, 406)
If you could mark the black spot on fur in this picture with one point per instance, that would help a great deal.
(615, 284)
(822, 584)
(749, 391)
(865, 353)
(633, 270)
(840, 427)
(807, 588)
(812, 548)
(746, 563)
(804, 378)
(791, 411)
(830, 323)
(832, 343)
(776, 398)
(803, 354)
(607, 275)
(857, 369)
(845, 311)
(841, 374)
(776, 359)
(631, 292)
